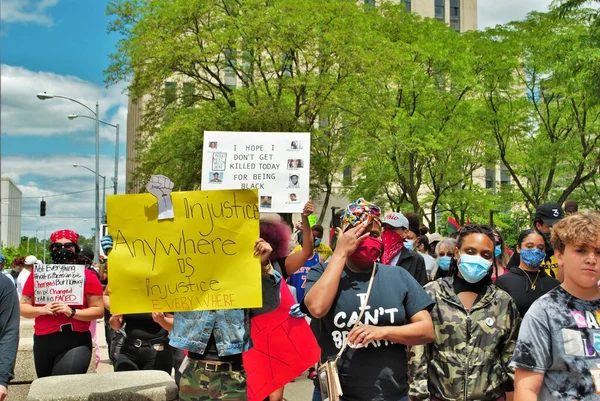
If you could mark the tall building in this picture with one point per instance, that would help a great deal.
(10, 213)
(461, 15)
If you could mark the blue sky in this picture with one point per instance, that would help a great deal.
(62, 47)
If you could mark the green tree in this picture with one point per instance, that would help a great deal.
(537, 105)
(246, 66)
(415, 114)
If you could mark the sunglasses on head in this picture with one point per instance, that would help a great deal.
(360, 209)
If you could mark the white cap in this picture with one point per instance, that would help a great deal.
(396, 219)
(434, 237)
(31, 260)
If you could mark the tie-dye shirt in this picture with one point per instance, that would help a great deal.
(560, 337)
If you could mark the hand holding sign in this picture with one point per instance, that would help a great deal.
(161, 187)
(263, 248)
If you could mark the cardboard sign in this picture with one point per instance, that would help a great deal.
(276, 164)
(202, 259)
(284, 347)
(58, 283)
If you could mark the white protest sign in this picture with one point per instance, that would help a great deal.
(58, 283)
(275, 163)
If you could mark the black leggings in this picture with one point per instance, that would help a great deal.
(62, 353)
(145, 357)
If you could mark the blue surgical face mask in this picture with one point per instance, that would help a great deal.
(444, 263)
(498, 251)
(317, 242)
(533, 257)
(408, 244)
(473, 267)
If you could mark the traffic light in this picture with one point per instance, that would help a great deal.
(43, 208)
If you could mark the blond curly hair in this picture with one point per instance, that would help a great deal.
(578, 229)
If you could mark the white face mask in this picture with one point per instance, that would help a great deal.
(408, 244)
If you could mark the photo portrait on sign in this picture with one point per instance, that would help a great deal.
(295, 145)
(219, 160)
(293, 197)
(293, 181)
(266, 201)
(215, 177)
(212, 145)
(295, 164)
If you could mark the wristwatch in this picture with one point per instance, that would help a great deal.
(72, 313)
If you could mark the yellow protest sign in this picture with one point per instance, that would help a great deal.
(203, 258)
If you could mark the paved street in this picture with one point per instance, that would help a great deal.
(300, 389)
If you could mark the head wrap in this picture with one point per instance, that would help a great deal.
(68, 234)
(360, 211)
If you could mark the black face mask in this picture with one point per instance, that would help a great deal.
(62, 256)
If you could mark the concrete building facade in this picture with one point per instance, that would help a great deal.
(11, 198)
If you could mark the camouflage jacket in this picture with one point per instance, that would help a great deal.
(470, 356)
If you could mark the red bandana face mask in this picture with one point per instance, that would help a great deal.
(367, 252)
(392, 245)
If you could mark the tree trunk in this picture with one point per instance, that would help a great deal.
(325, 203)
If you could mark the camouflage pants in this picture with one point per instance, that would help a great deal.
(198, 384)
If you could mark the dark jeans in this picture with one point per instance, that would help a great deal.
(62, 353)
(178, 357)
(146, 357)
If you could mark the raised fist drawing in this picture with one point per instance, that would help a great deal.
(161, 187)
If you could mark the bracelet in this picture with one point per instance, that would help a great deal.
(267, 269)
(72, 313)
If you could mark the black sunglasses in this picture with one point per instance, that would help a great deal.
(58, 245)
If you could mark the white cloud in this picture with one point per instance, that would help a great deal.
(494, 12)
(24, 114)
(27, 11)
(74, 207)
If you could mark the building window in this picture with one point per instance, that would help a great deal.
(440, 10)
(504, 176)
(287, 64)
(490, 178)
(189, 90)
(407, 4)
(347, 176)
(170, 92)
(455, 15)
(230, 62)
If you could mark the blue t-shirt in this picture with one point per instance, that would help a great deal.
(378, 371)
(560, 337)
(298, 279)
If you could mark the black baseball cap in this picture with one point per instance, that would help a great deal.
(549, 213)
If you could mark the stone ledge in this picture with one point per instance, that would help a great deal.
(144, 385)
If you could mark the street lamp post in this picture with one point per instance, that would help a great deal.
(45, 96)
(115, 179)
(103, 188)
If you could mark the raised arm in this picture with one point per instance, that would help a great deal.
(297, 259)
(321, 295)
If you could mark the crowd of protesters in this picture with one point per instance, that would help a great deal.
(404, 314)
